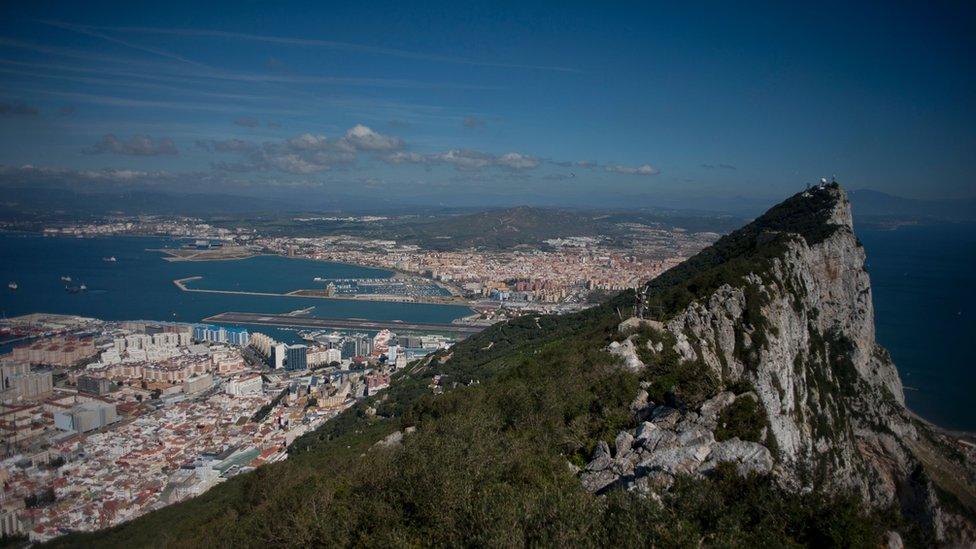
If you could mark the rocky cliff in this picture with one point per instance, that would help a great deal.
(764, 354)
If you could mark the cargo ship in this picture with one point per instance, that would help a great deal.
(75, 289)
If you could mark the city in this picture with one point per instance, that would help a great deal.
(103, 421)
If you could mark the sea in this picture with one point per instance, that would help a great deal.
(923, 277)
(138, 285)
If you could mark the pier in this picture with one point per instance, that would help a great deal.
(283, 320)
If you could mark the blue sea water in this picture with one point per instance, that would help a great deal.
(139, 285)
(923, 280)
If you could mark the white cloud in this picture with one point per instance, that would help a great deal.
(467, 159)
(517, 161)
(137, 145)
(403, 157)
(309, 153)
(293, 163)
(364, 138)
(464, 159)
(643, 169)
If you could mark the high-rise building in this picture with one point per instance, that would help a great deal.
(86, 416)
(297, 358)
(34, 384)
(363, 344)
(410, 341)
(220, 334)
(238, 336)
(349, 347)
(278, 356)
(94, 385)
(333, 355)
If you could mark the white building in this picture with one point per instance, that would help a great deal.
(86, 416)
(279, 355)
(333, 355)
(242, 386)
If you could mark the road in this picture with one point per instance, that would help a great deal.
(339, 323)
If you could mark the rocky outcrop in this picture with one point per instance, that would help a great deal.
(672, 443)
(797, 330)
(627, 353)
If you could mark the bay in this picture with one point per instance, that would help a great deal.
(139, 284)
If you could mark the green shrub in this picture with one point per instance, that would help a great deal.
(743, 419)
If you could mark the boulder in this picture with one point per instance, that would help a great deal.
(598, 480)
(665, 417)
(749, 457)
(628, 353)
(391, 440)
(623, 444)
(676, 461)
(635, 323)
(659, 439)
(643, 431)
(893, 540)
(640, 402)
(601, 457)
(712, 407)
(696, 436)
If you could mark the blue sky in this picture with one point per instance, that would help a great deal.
(490, 103)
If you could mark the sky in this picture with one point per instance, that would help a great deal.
(560, 103)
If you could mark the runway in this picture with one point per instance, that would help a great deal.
(339, 323)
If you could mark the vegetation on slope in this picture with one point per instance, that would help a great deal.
(489, 464)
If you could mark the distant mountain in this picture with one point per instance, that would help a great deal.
(499, 228)
(504, 228)
(871, 206)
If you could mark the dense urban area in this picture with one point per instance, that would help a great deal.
(104, 421)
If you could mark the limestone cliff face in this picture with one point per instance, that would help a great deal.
(832, 396)
(798, 330)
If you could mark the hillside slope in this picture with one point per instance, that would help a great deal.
(750, 406)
